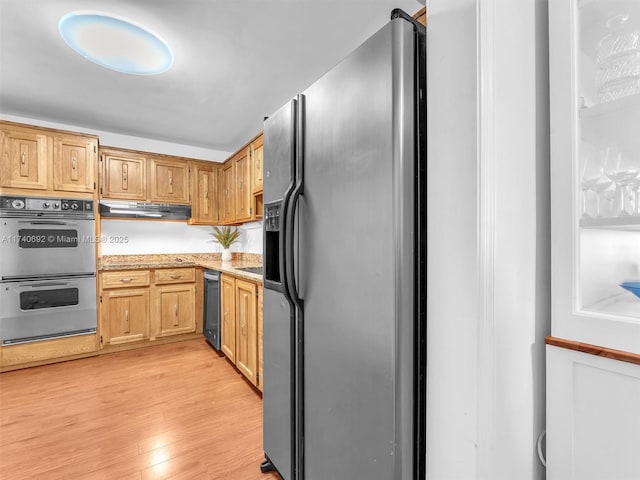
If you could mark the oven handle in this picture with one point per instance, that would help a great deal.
(51, 222)
(49, 284)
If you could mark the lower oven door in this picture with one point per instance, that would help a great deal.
(46, 246)
(45, 309)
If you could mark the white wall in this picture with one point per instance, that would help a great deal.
(141, 237)
(452, 271)
(488, 237)
(134, 143)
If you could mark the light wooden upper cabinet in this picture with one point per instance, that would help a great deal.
(144, 177)
(24, 158)
(123, 175)
(243, 210)
(74, 163)
(228, 193)
(43, 161)
(204, 189)
(256, 165)
(169, 180)
(240, 197)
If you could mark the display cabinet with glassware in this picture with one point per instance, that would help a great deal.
(595, 171)
(595, 219)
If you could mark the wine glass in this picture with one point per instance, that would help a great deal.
(593, 179)
(634, 194)
(622, 168)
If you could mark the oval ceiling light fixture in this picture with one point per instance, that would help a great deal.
(116, 43)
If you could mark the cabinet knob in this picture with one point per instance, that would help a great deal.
(175, 276)
(126, 280)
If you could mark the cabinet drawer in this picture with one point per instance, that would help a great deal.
(175, 275)
(125, 278)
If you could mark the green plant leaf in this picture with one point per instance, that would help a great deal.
(226, 236)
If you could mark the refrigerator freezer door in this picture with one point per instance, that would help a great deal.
(356, 263)
(279, 314)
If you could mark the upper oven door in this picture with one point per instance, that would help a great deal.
(37, 247)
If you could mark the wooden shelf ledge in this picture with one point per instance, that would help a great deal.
(610, 353)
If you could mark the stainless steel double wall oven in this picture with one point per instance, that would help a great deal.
(47, 268)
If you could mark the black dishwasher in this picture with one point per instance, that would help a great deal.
(211, 327)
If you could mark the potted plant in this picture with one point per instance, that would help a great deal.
(226, 236)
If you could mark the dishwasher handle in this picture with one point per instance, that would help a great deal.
(215, 276)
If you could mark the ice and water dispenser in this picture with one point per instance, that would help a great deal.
(272, 226)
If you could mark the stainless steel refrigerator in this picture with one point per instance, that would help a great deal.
(344, 278)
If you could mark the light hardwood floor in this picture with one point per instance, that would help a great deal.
(176, 411)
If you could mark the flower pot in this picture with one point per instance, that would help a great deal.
(226, 255)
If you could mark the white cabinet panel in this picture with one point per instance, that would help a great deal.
(593, 417)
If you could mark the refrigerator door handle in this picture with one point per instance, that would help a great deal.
(284, 227)
(291, 209)
(290, 278)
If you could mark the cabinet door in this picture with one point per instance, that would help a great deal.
(595, 172)
(228, 309)
(229, 195)
(593, 424)
(74, 163)
(169, 181)
(125, 315)
(244, 209)
(204, 203)
(176, 309)
(124, 176)
(23, 161)
(260, 341)
(247, 329)
(256, 166)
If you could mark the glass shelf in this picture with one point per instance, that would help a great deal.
(612, 124)
(623, 305)
(626, 106)
(631, 224)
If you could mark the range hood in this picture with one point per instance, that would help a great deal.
(120, 209)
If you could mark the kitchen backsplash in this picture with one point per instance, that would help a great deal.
(121, 237)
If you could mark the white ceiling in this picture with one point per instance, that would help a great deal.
(236, 61)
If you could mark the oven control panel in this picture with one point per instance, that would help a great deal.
(39, 204)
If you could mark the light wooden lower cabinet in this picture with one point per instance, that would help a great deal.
(124, 306)
(240, 336)
(228, 321)
(593, 417)
(247, 329)
(175, 309)
(145, 305)
(125, 315)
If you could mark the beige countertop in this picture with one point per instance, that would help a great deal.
(175, 260)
